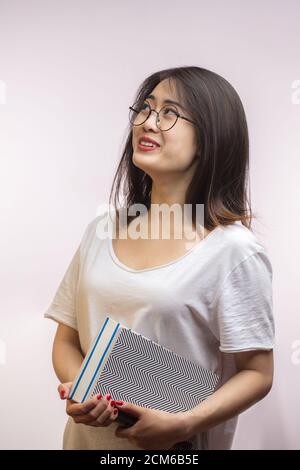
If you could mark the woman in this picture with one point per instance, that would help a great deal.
(209, 300)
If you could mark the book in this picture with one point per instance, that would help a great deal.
(135, 369)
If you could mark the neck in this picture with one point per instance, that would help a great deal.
(164, 195)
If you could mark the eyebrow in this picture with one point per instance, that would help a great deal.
(152, 97)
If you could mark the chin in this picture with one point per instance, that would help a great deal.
(143, 157)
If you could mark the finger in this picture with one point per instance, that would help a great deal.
(106, 423)
(100, 406)
(88, 417)
(79, 409)
(131, 409)
(107, 417)
(112, 418)
(105, 414)
(62, 392)
(102, 422)
(103, 417)
(64, 389)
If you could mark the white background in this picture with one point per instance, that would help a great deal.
(68, 73)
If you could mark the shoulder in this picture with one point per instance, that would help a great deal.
(237, 249)
(236, 242)
(94, 229)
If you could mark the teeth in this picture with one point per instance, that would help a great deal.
(148, 144)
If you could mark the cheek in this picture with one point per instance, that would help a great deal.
(134, 139)
(182, 150)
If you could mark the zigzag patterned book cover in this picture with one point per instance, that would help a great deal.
(135, 369)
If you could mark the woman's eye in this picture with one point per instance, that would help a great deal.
(169, 109)
(144, 107)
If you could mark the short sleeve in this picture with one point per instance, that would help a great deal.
(63, 306)
(244, 306)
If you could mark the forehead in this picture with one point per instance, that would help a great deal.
(166, 89)
(165, 92)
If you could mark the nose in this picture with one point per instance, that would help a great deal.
(151, 122)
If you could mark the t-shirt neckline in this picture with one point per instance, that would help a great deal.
(119, 263)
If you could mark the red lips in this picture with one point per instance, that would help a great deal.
(148, 139)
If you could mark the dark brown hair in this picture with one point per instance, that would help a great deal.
(220, 180)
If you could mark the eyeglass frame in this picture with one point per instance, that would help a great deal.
(157, 112)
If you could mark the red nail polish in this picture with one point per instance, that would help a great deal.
(119, 402)
(115, 411)
(113, 403)
(108, 397)
(62, 394)
(99, 397)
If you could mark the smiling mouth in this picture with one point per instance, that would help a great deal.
(148, 148)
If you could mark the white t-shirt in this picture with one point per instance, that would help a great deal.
(206, 305)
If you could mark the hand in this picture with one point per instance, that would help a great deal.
(154, 429)
(97, 411)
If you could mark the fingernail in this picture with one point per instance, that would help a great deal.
(113, 403)
(99, 397)
(62, 394)
(108, 397)
(119, 402)
(115, 411)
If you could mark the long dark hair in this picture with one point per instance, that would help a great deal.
(220, 180)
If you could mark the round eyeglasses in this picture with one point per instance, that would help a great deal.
(166, 118)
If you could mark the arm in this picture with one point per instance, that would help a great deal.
(66, 353)
(67, 358)
(252, 382)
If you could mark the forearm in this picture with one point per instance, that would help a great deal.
(67, 359)
(239, 393)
